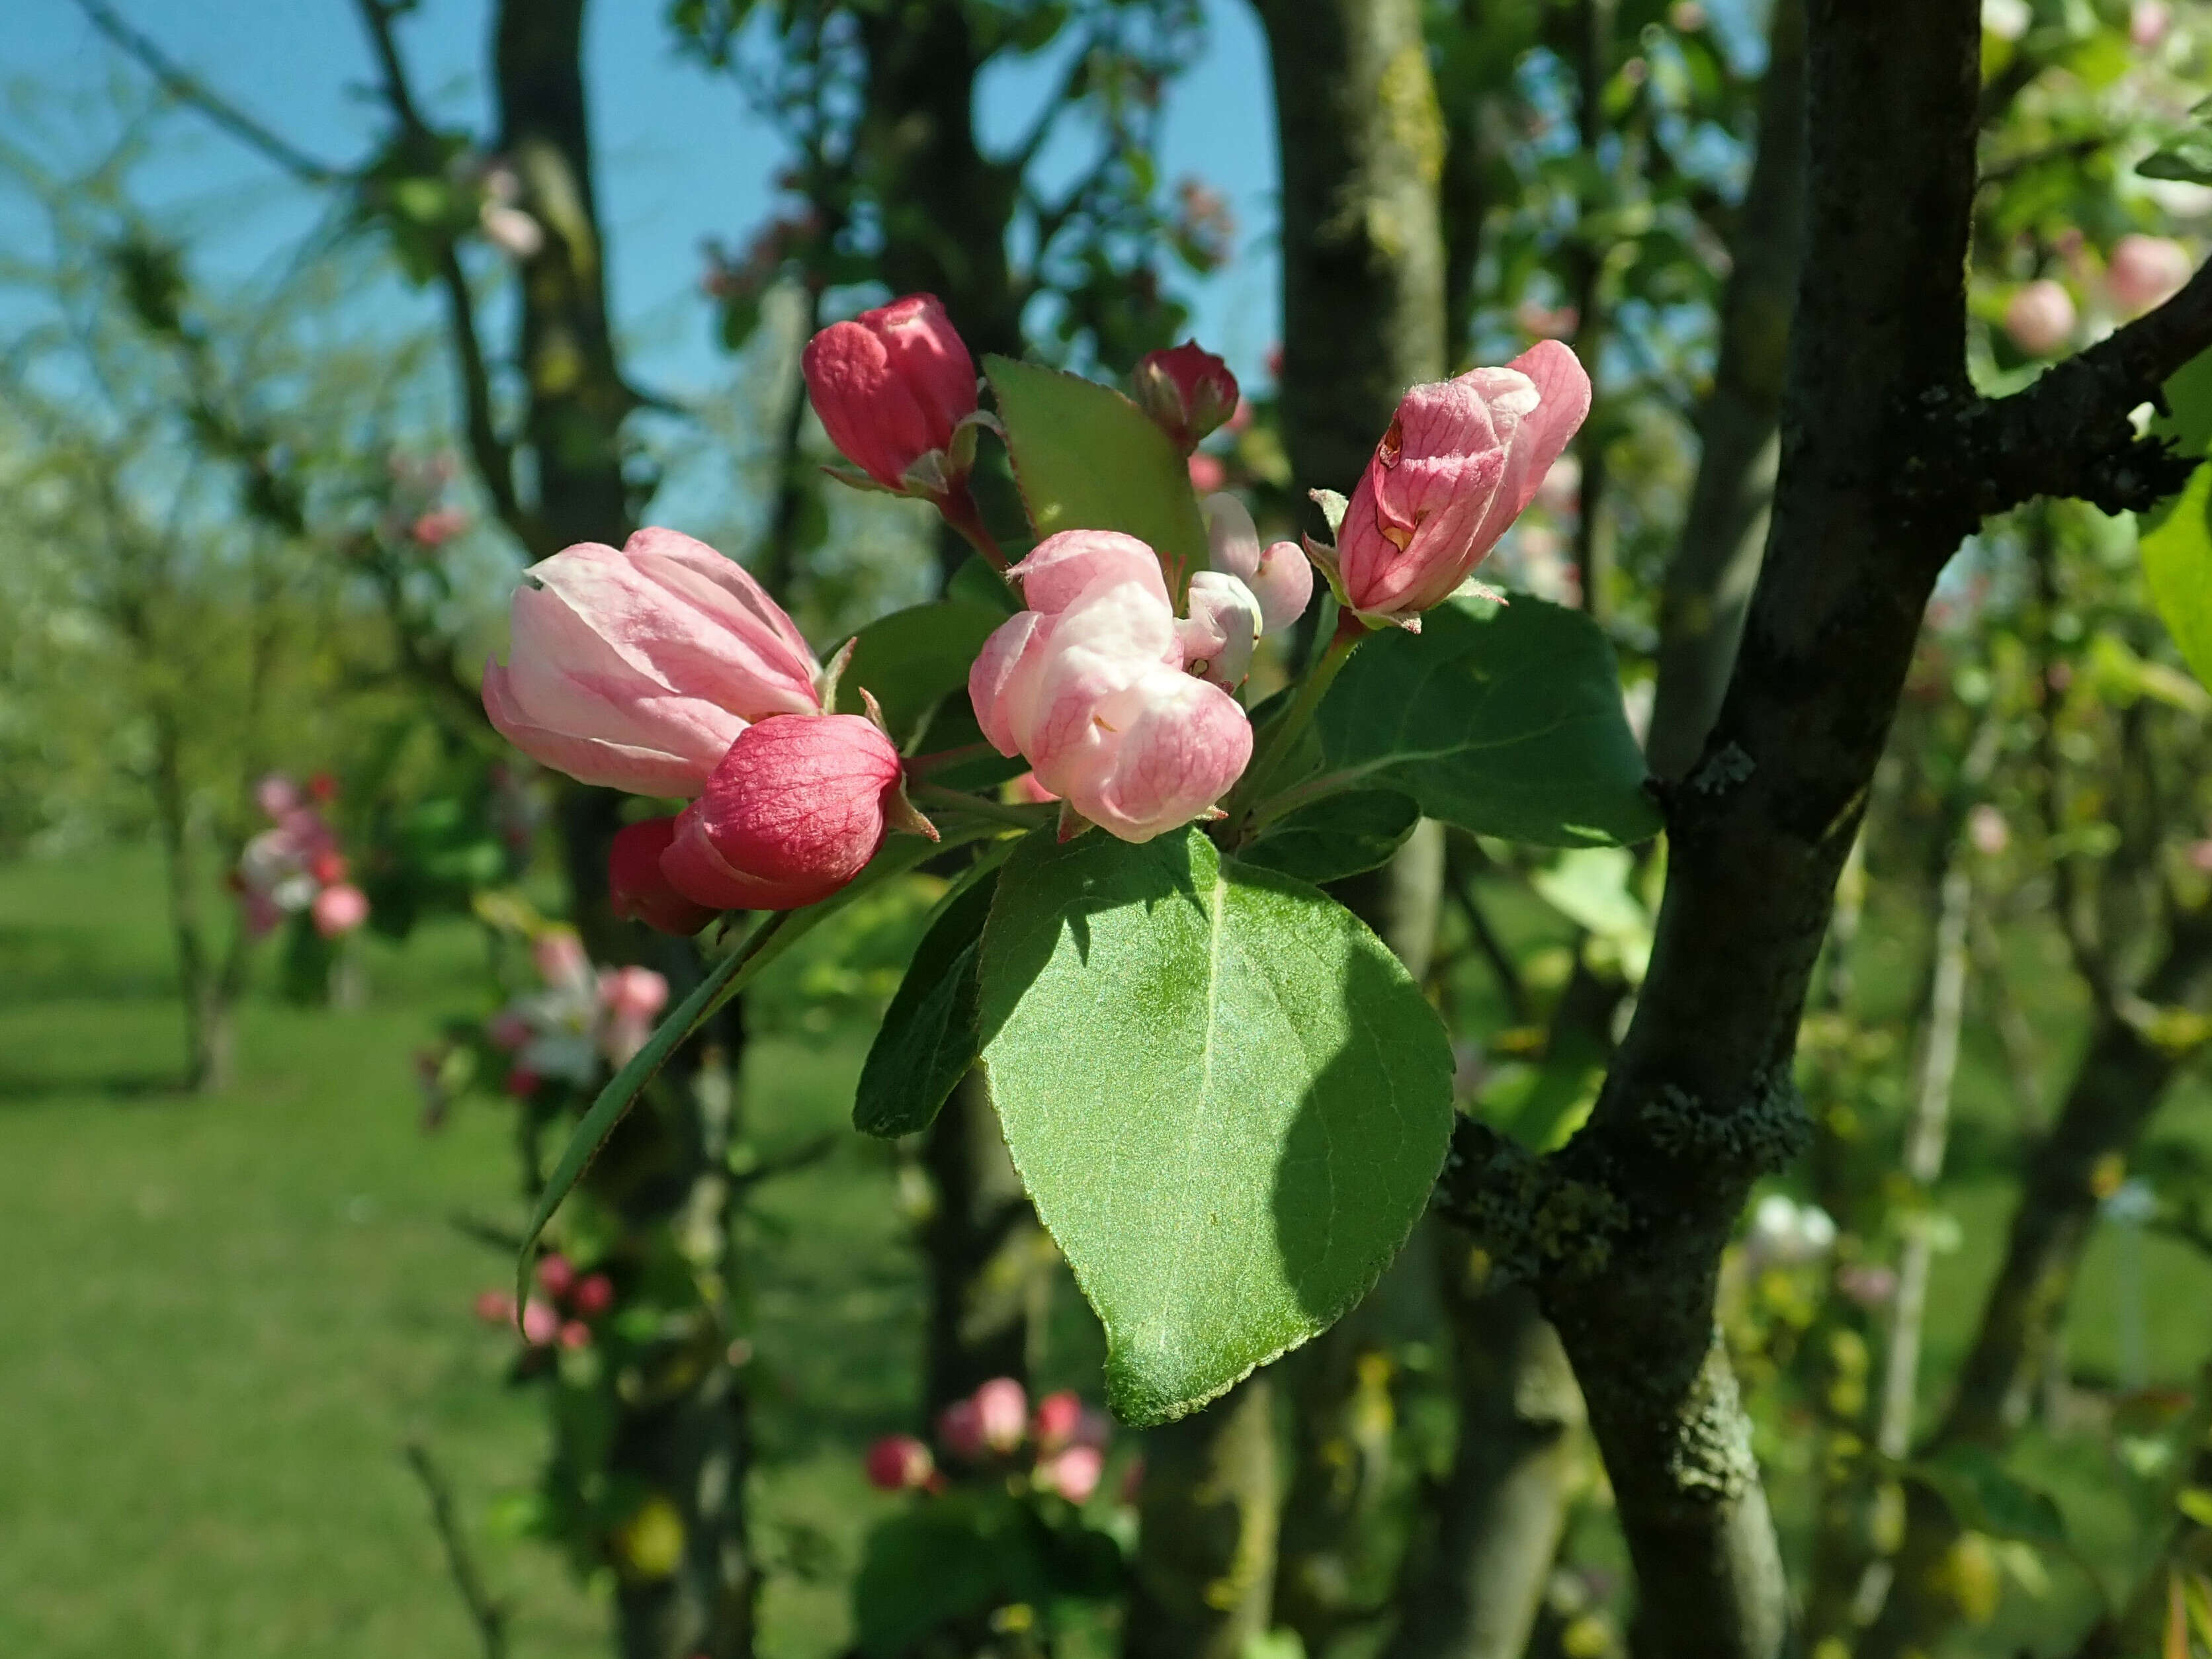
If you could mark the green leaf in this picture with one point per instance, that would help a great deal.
(912, 660)
(1226, 1098)
(1087, 457)
(1504, 718)
(2188, 159)
(951, 1560)
(2176, 564)
(928, 1040)
(1984, 1497)
(1338, 836)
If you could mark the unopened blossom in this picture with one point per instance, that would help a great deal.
(2145, 272)
(1056, 1420)
(796, 809)
(295, 865)
(892, 387)
(339, 909)
(640, 890)
(541, 1325)
(1186, 390)
(594, 1294)
(1207, 472)
(630, 999)
(960, 1429)
(1073, 1473)
(637, 667)
(1462, 457)
(899, 1462)
(2147, 22)
(1278, 576)
(557, 1274)
(2039, 317)
(1222, 626)
(1088, 686)
(1002, 1413)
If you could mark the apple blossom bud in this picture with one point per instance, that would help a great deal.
(540, 1324)
(558, 955)
(1461, 460)
(495, 1307)
(1218, 635)
(2145, 272)
(277, 795)
(1284, 586)
(327, 867)
(637, 668)
(636, 993)
(594, 1295)
(2147, 22)
(891, 387)
(520, 1082)
(1207, 473)
(795, 811)
(1057, 1416)
(438, 525)
(1186, 390)
(1074, 1474)
(2039, 317)
(899, 1462)
(639, 890)
(574, 1333)
(1002, 1413)
(960, 1429)
(555, 1273)
(338, 910)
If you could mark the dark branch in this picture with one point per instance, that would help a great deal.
(485, 1613)
(187, 88)
(2068, 432)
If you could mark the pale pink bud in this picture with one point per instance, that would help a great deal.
(637, 669)
(1207, 473)
(1462, 459)
(794, 811)
(1987, 829)
(1057, 1416)
(574, 1333)
(639, 890)
(1284, 586)
(638, 992)
(1218, 635)
(434, 528)
(1002, 1413)
(555, 1273)
(495, 1307)
(1074, 1474)
(891, 386)
(540, 1324)
(1186, 390)
(1087, 684)
(338, 910)
(899, 1462)
(277, 795)
(1868, 1284)
(2145, 272)
(595, 1294)
(558, 954)
(512, 231)
(960, 1429)
(2147, 22)
(2039, 317)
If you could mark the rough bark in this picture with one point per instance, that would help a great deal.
(1708, 581)
(1203, 1583)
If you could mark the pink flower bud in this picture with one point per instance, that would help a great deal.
(637, 888)
(1074, 1474)
(328, 866)
(520, 1082)
(1187, 392)
(323, 786)
(540, 1324)
(338, 910)
(638, 992)
(574, 1333)
(1219, 636)
(2145, 272)
(1462, 459)
(891, 387)
(960, 1429)
(555, 1273)
(277, 795)
(1087, 684)
(637, 669)
(495, 1307)
(2040, 317)
(594, 1295)
(438, 526)
(558, 953)
(794, 811)
(1057, 1417)
(899, 1462)
(508, 1028)
(2147, 22)
(1002, 1413)
(1207, 473)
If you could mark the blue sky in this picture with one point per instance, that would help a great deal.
(681, 157)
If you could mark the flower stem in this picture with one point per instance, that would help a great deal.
(1282, 733)
(960, 511)
(955, 800)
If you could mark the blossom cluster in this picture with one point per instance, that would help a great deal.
(571, 1302)
(294, 865)
(1060, 1447)
(580, 1020)
(663, 668)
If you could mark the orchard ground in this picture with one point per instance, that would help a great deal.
(221, 1320)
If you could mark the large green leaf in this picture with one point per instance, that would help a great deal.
(928, 1040)
(1337, 836)
(1504, 719)
(1984, 1496)
(912, 660)
(1225, 1097)
(2175, 538)
(1088, 459)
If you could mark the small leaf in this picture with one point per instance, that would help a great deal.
(2188, 159)
(1228, 1101)
(1505, 719)
(928, 1041)
(1984, 1497)
(1085, 458)
(2176, 565)
(1339, 835)
(2196, 1503)
(912, 660)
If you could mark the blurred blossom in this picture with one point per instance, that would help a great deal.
(2200, 856)
(495, 1307)
(1057, 1417)
(1987, 829)
(2147, 22)
(899, 1462)
(2040, 317)
(1074, 1474)
(509, 229)
(339, 909)
(1207, 474)
(438, 525)
(593, 1296)
(540, 1324)
(1002, 1413)
(574, 1333)
(1547, 322)
(1686, 16)
(960, 1429)
(2145, 272)
(2005, 19)
(1784, 1233)
(556, 1274)
(1869, 1283)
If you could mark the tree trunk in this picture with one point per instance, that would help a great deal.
(1708, 581)
(990, 1263)
(1204, 1578)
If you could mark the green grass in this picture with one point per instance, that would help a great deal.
(220, 1319)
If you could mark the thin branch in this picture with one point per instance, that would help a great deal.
(187, 88)
(486, 1613)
